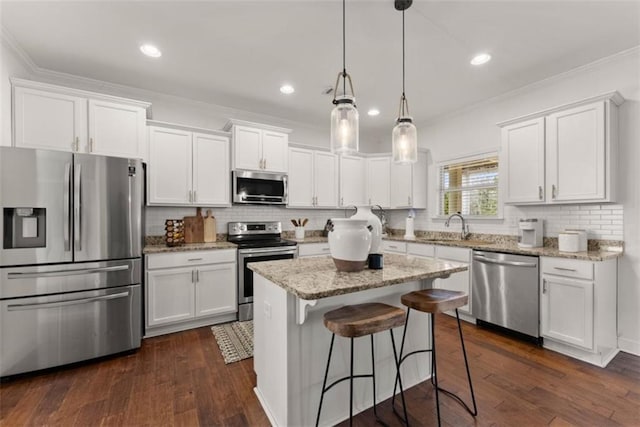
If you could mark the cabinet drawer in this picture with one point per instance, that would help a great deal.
(567, 267)
(182, 259)
(417, 249)
(313, 249)
(453, 254)
(395, 247)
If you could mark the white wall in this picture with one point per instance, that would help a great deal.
(474, 130)
(11, 66)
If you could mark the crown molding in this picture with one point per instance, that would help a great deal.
(9, 41)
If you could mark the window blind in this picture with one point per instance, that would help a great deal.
(470, 187)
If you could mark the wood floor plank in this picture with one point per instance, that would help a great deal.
(181, 379)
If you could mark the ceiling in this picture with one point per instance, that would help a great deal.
(238, 53)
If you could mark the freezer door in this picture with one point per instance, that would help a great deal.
(43, 332)
(35, 206)
(107, 207)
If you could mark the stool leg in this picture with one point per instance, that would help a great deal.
(351, 388)
(397, 361)
(466, 364)
(434, 373)
(373, 377)
(404, 334)
(324, 382)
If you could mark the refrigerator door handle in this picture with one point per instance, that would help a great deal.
(56, 273)
(65, 201)
(77, 206)
(39, 305)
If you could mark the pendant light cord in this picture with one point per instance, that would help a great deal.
(403, 53)
(344, 49)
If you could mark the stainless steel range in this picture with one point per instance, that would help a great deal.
(257, 241)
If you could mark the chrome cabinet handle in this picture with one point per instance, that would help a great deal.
(75, 144)
(190, 196)
(544, 286)
(265, 163)
(341, 201)
(195, 196)
(554, 191)
(194, 259)
(409, 200)
(91, 145)
(540, 195)
(197, 275)
(564, 269)
(193, 276)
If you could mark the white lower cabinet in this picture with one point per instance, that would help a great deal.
(578, 308)
(458, 281)
(189, 289)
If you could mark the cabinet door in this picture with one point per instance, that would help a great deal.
(275, 147)
(170, 295)
(401, 183)
(169, 166)
(300, 177)
(353, 189)
(216, 290)
(211, 175)
(325, 171)
(576, 154)
(378, 181)
(116, 129)
(247, 148)
(48, 120)
(522, 162)
(460, 281)
(566, 310)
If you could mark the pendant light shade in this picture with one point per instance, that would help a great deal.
(345, 120)
(405, 134)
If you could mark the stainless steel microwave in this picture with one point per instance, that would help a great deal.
(260, 188)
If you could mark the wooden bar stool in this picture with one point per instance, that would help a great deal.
(353, 321)
(434, 301)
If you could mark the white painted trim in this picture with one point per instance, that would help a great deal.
(469, 156)
(235, 122)
(613, 96)
(11, 42)
(629, 346)
(154, 331)
(187, 128)
(531, 86)
(265, 407)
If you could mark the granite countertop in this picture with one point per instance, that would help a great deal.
(162, 248)
(315, 278)
(509, 246)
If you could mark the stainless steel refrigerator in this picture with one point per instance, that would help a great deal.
(70, 257)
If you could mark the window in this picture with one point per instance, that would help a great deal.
(470, 187)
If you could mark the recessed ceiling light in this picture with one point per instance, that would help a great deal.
(287, 89)
(481, 58)
(150, 50)
(373, 112)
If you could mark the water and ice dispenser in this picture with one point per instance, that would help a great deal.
(24, 228)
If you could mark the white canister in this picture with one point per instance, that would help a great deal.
(569, 242)
(349, 243)
(299, 233)
(409, 233)
(364, 212)
(584, 246)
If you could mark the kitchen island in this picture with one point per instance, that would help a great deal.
(291, 343)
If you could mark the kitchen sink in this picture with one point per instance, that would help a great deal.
(458, 241)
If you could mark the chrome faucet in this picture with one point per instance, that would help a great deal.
(382, 215)
(464, 234)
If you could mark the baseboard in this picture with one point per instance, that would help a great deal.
(629, 346)
(152, 331)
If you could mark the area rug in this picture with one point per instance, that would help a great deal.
(235, 340)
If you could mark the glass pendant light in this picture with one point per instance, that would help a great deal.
(405, 134)
(344, 117)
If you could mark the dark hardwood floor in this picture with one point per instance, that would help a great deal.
(181, 379)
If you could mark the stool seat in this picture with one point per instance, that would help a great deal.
(434, 300)
(358, 320)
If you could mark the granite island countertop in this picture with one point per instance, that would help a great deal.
(315, 278)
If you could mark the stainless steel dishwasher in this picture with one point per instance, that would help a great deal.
(505, 291)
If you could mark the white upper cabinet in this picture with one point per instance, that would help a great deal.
(59, 118)
(409, 184)
(116, 129)
(259, 147)
(379, 181)
(353, 187)
(568, 154)
(313, 178)
(523, 161)
(188, 168)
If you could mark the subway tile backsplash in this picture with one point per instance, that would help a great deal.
(604, 222)
(155, 216)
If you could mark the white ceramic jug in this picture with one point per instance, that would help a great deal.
(349, 242)
(364, 212)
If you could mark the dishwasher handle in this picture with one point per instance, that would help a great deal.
(480, 258)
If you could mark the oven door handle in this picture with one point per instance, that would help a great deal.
(259, 251)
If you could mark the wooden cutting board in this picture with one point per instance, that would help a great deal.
(194, 228)
(209, 228)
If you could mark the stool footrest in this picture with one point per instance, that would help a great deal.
(414, 352)
(460, 401)
(346, 378)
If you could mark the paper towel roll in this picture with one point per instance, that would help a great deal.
(408, 229)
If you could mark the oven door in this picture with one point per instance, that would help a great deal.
(247, 256)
